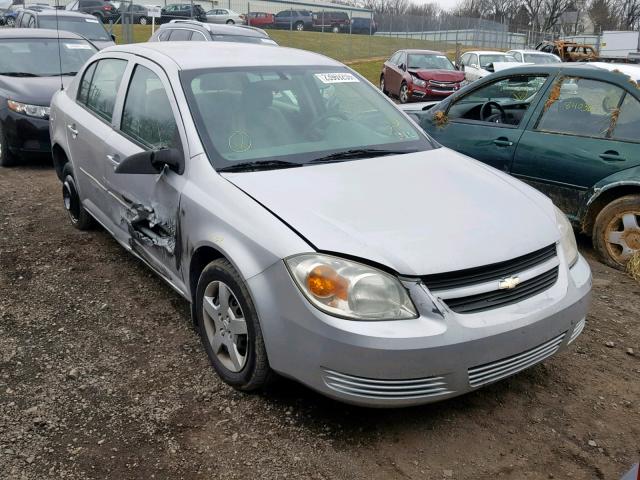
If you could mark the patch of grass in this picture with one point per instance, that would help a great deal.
(633, 267)
(343, 47)
(369, 70)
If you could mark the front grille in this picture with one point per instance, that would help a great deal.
(386, 389)
(438, 83)
(500, 298)
(487, 273)
(494, 371)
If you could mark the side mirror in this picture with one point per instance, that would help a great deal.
(403, 67)
(473, 65)
(113, 37)
(150, 162)
(490, 68)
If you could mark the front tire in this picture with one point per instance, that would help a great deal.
(616, 231)
(143, 20)
(229, 328)
(230, 22)
(299, 26)
(382, 85)
(403, 96)
(7, 159)
(80, 218)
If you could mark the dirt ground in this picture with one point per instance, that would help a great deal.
(102, 376)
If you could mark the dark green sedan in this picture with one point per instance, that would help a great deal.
(570, 130)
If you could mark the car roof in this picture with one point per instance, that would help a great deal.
(534, 52)
(578, 68)
(485, 52)
(194, 55)
(417, 50)
(37, 33)
(217, 29)
(61, 13)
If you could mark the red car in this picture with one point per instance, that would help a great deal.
(261, 19)
(419, 75)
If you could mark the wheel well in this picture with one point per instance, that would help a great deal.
(604, 199)
(60, 159)
(200, 259)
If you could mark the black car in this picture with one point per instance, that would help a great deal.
(101, 9)
(363, 25)
(294, 20)
(137, 13)
(80, 23)
(182, 11)
(30, 74)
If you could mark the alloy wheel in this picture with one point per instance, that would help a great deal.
(382, 84)
(404, 94)
(623, 236)
(143, 21)
(225, 326)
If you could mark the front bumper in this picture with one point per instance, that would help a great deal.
(428, 91)
(439, 355)
(26, 134)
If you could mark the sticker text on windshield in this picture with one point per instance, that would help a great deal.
(337, 78)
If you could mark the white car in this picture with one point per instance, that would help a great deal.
(534, 57)
(479, 64)
(224, 15)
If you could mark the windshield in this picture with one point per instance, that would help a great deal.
(90, 28)
(429, 62)
(292, 114)
(487, 59)
(38, 57)
(540, 59)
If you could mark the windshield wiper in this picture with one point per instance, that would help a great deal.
(259, 165)
(19, 74)
(358, 153)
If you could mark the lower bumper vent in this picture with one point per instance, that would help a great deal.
(494, 371)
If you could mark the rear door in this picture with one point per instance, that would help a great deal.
(146, 207)
(89, 125)
(590, 131)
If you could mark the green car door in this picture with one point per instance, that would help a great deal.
(586, 129)
(487, 122)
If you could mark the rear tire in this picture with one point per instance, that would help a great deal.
(143, 21)
(382, 85)
(616, 231)
(79, 217)
(230, 22)
(229, 328)
(299, 26)
(7, 159)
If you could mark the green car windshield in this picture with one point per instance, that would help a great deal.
(293, 114)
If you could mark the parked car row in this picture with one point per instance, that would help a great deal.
(326, 21)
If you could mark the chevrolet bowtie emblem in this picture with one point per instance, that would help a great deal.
(509, 283)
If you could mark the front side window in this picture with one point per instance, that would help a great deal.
(38, 57)
(580, 106)
(513, 96)
(429, 62)
(473, 60)
(147, 116)
(628, 124)
(395, 58)
(293, 114)
(100, 97)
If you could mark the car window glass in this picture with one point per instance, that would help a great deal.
(580, 106)
(514, 94)
(628, 124)
(101, 95)
(198, 37)
(394, 58)
(180, 35)
(473, 59)
(147, 115)
(83, 90)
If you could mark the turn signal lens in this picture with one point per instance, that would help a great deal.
(323, 282)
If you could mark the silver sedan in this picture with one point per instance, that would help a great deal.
(315, 230)
(225, 15)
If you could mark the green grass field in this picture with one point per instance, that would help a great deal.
(363, 53)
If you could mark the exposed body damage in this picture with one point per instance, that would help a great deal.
(147, 228)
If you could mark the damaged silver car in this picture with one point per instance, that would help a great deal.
(316, 231)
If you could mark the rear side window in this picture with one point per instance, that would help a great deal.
(180, 35)
(628, 123)
(147, 116)
(99, 95)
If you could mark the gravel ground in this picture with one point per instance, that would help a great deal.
(102, 376)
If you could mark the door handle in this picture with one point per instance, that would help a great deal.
(503, 142)
(612, 156)
(72, 129)
(114, 158)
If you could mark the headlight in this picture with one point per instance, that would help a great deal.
(30, 110)
(568, 239)
(351, 290)
(419, 82)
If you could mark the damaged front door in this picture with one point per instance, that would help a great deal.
(146, 207)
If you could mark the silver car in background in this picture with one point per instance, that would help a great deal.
(225, 15)
(315, 230)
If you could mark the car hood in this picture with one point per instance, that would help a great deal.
(421, 213)
(32, 90)
(439, 75)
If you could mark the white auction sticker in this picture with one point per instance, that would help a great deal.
(91, 20)
(77, 46)
(337, 78)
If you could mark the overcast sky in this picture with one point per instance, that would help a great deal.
(444, 4)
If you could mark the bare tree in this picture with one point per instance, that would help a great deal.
(602, 14)
(629, 13)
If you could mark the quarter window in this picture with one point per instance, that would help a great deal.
(147, 116)
(180, 35)
(580, 106)
(100, 94)
(628, 123)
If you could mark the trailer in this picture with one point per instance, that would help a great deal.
(619, 45)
